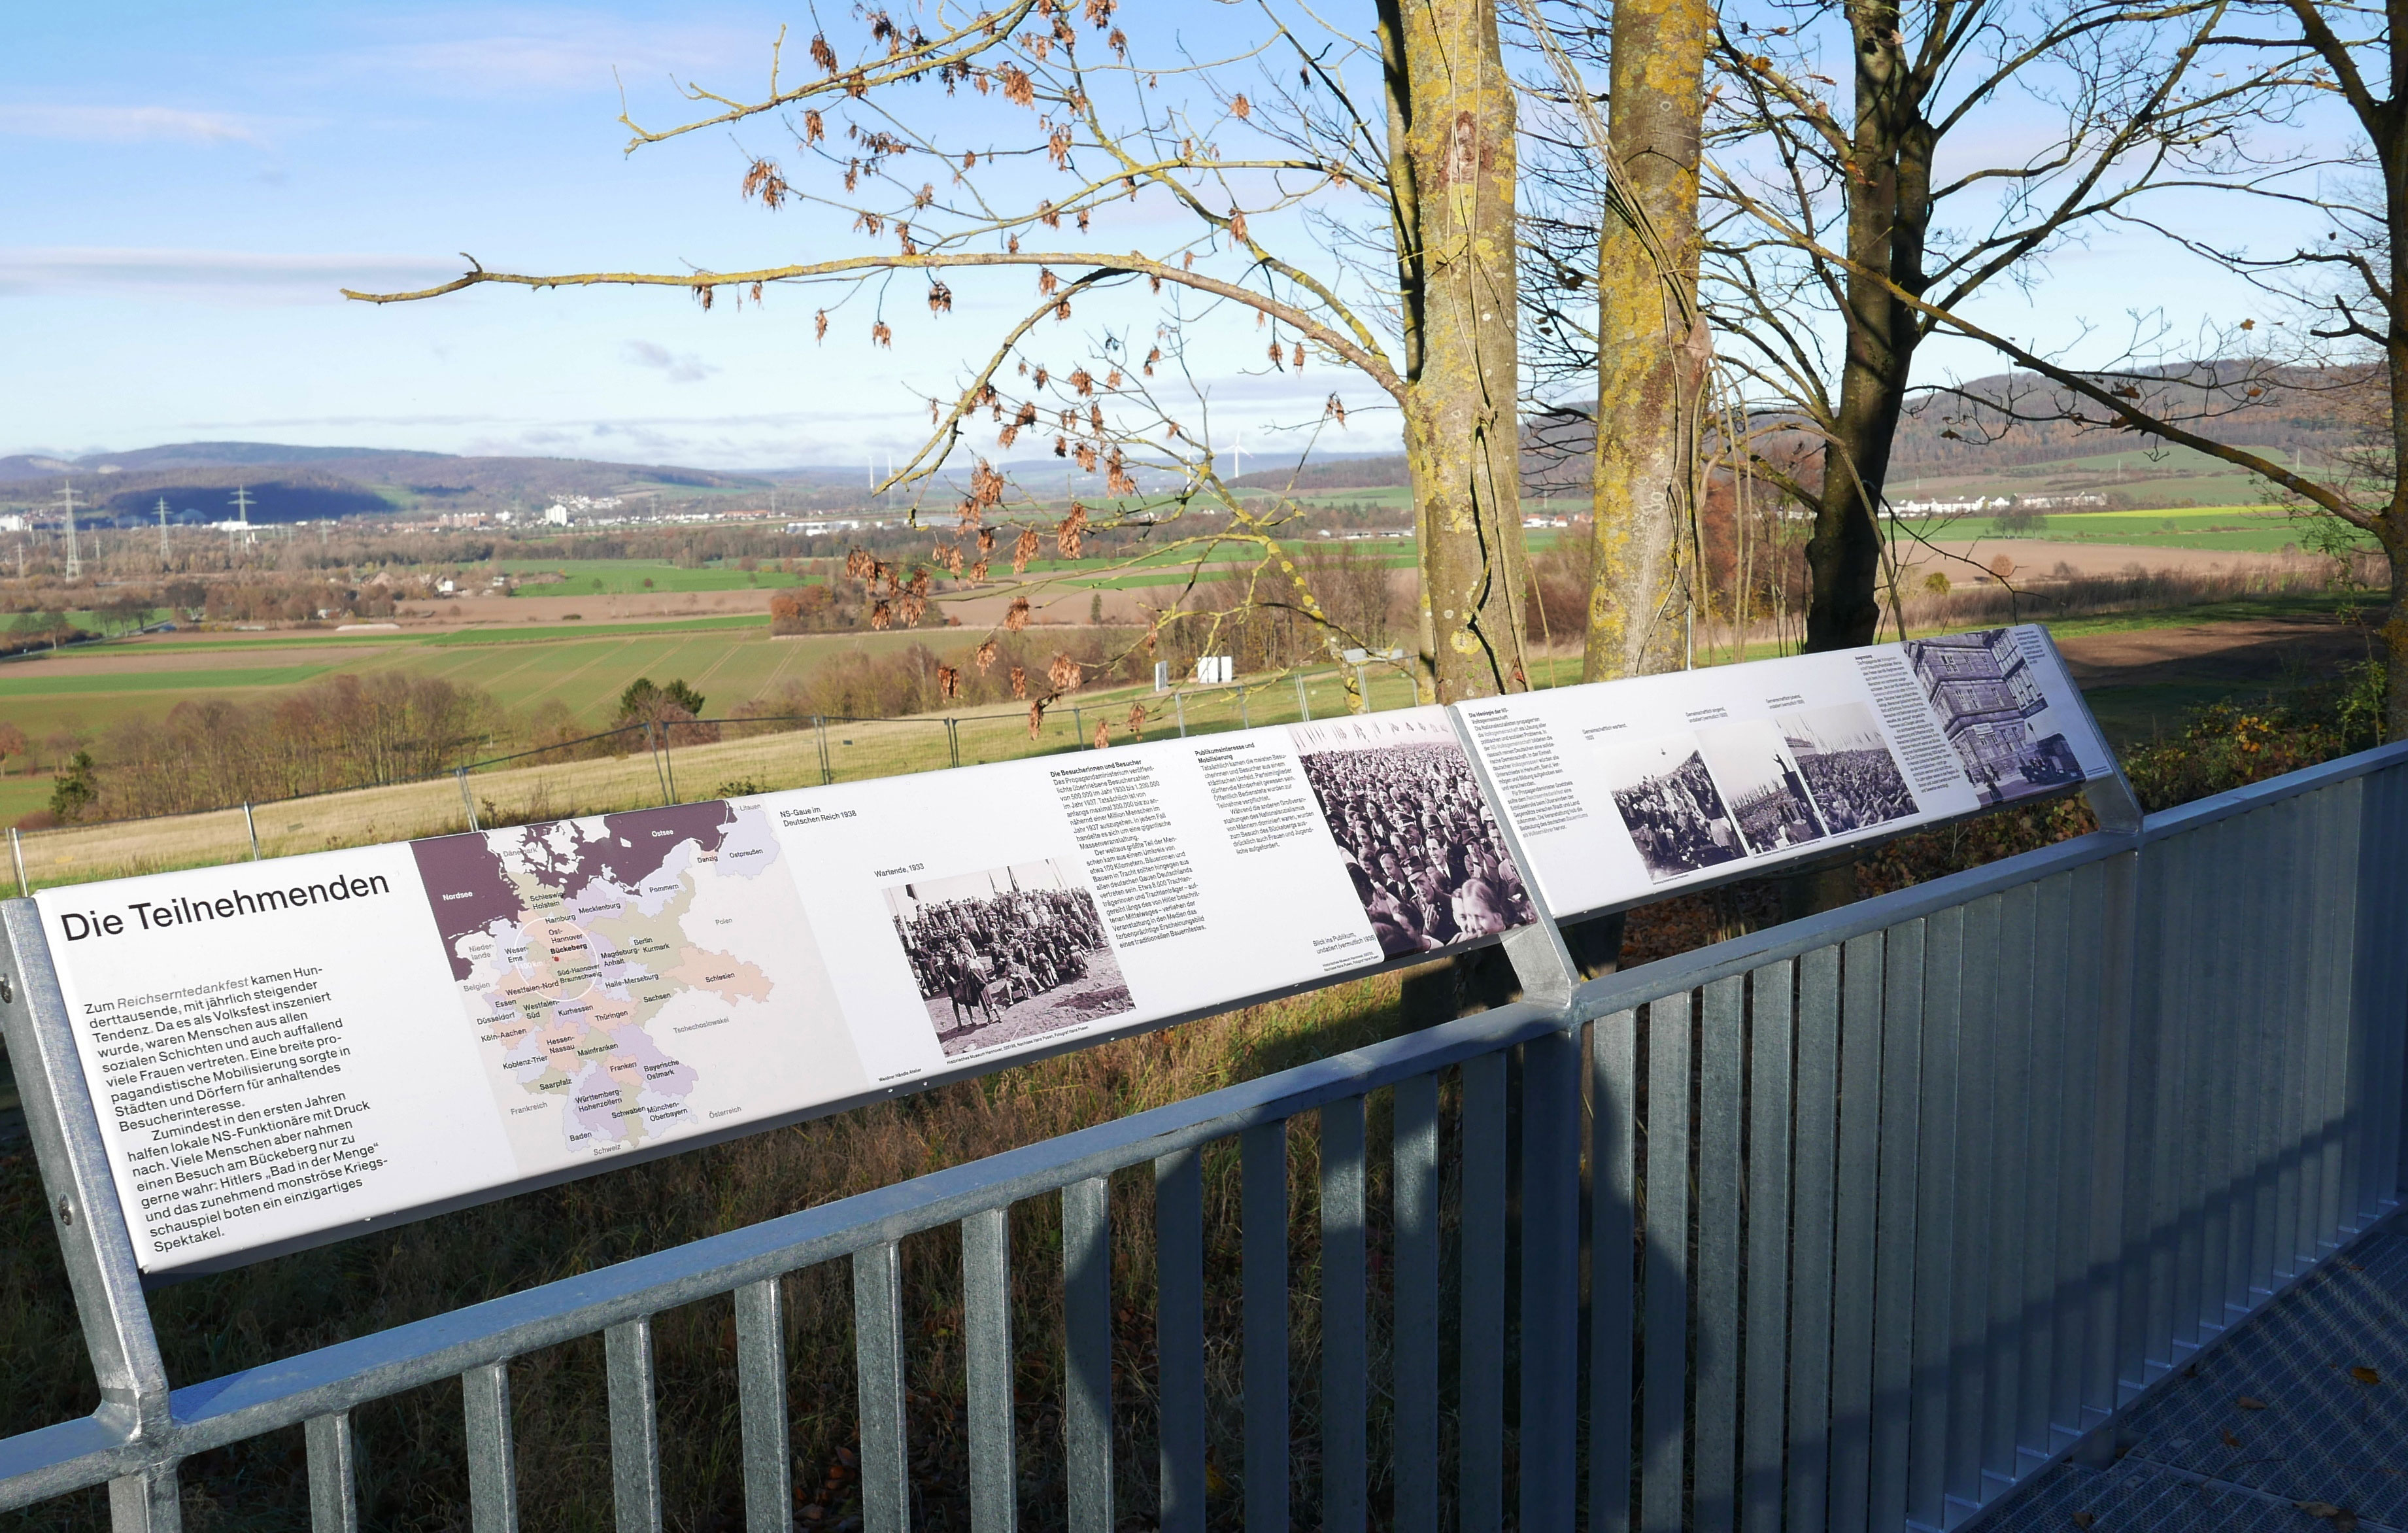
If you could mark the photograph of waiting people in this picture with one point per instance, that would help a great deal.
(1983, 687)
(1670, 804)
(1849, 771)
(1427, 860)
(1008, 953)
(1762, 785)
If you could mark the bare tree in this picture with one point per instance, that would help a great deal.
(1836, 236)
(1258, 148)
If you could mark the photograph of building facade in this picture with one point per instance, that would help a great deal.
(1983, 689)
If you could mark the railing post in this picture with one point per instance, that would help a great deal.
(953, 742)
(761, 1405)
(877, 1354)
(468, 801)
(1551, 1157)
(1179, 701)
(1087, 1352)
(1303, 702)
(82, 1197)
(17, 853)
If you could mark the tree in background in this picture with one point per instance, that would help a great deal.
(1247, 181)
(12, 744)
(1882, 211)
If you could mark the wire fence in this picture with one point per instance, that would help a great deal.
(646, 763)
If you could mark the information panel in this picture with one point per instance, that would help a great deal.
(1620, 792)
(282, 1052)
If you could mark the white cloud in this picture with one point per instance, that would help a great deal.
(688, 368)
(251, 276)
(128, 124)
(515, 49)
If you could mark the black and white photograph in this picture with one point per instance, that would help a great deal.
(1849, 771)
(1008, 954)
(1428, 862)
(1669, 804)
(1762, 785)
(1989, 699)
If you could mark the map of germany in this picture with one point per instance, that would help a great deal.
(596, 957)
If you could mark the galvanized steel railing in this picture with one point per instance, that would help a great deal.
(1851, 1224)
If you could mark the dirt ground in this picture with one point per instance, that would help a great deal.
(2034, 557)
(2139, 684)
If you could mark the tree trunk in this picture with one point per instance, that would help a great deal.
(1889, 212)
(1651, 346)
(1450, 151)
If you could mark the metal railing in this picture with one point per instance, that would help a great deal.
(1850, 1223)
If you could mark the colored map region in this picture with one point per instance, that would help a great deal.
(598, 957)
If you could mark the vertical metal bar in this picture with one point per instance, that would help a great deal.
(77, 1187)
(986, 1356)
(492, 1461)
(1479, 1347)
(252, 826)
(1713, 1457)
(1894, 1252)
(2228, 1188)
(635, 1426)
(1852, 1244)
(2237, 1086)
(1414, 1170)
(1263, 1214)
(1935, 1213)
(2186, 1074)
(2279, 998)
(1177, 1334)
(2073, 1280)
(2131, 914)
(148, 1502)
(1549, 1439)
(1969, 1273)
(334, 1498)
(17, 854)
(1179, 701)
(1345, 1367)
(1809, 1276)
(878, 1362)
(1767, 1247)
(1087, 1352)
(761, 1405)
(1613, 1066)
(2010, 1124)
(2041, 1298)
(2334, 871)
(468, 801)
(1665, 1345)
(1303, 701)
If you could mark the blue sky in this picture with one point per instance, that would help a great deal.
(186, 187)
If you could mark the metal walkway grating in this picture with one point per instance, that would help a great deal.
(2194, 1457)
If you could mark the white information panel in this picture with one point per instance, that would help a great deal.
(1621, 792)
(282, 1051)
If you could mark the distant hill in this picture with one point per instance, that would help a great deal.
(197, 480)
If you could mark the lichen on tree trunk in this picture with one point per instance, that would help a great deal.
(1652, 352)
(1451, 151)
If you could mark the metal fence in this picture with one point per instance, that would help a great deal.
(1848, 1224)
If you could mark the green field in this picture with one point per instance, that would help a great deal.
(621, 577)
(2237, 530)
(729, 661)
